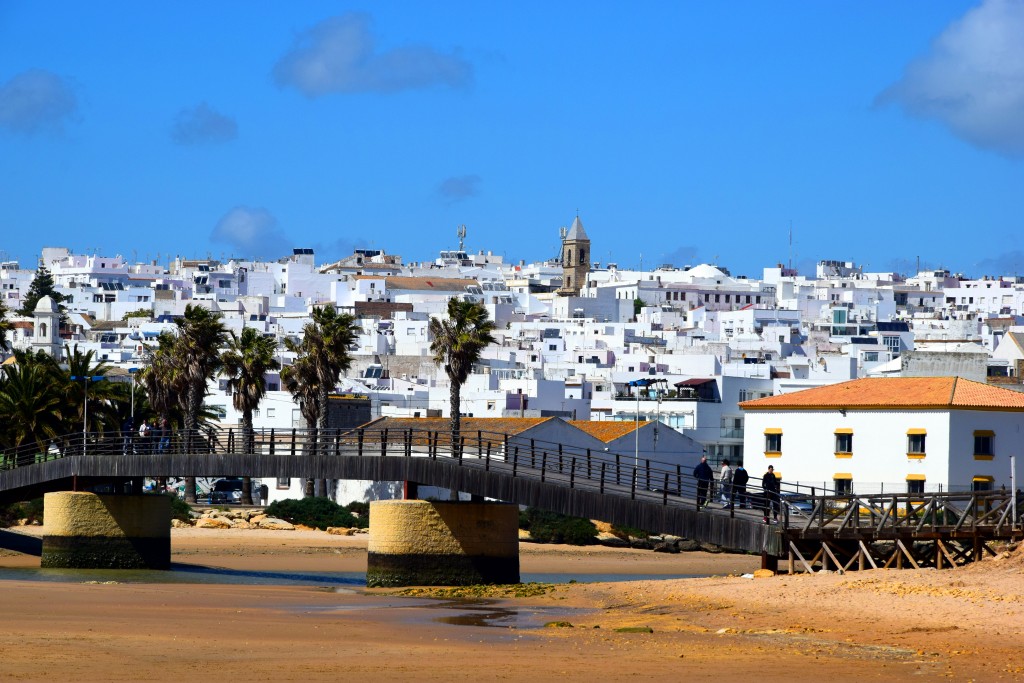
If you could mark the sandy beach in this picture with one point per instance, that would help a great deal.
(960, 624)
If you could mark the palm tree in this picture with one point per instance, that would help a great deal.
(196, 355)
(320, 357)
(327, 340)
(457, 344)
(31, 406)
(247, 359)
(101, 395)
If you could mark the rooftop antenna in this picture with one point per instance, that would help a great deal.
(791, 244)
(461, 232)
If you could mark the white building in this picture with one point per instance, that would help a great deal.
(887, 434)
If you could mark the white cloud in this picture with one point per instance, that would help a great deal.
(203, 125)
(338, 56)
(253, 231)
(36, 101)
(972, 78)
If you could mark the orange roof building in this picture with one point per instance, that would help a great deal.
(894, 434)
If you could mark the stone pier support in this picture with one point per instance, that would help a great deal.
(431, 543)
(91, 531)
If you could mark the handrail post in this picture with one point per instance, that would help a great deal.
(602, 476)
(664, 491)
(479, 442)
(293, 440)
(505, 450)
(679, 480)
(559, 458)
(515, 462)
(648, 469)
(384, 443)
(632, 485)
(618, 470)
(273, 441)
(589, 473)
(462, 446)
(572, 473)
(533, 454)
(359, 439)
(408, 443)
(543, 464)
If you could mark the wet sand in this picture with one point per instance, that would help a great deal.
(960, 624)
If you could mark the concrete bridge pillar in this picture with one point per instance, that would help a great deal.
(432, 543)
(92, 531)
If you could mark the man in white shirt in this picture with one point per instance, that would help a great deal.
(725, 483)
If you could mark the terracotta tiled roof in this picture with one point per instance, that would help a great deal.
(439, 284)
(606, 430)
(468, 425)
(897, 392)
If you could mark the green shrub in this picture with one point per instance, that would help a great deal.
(179, 508)
(551, 527)
(32, 510)
(315, 512)
(359, 509)
(624, 532)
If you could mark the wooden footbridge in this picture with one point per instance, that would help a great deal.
(819, 532)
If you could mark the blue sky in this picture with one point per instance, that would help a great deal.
(682, 132)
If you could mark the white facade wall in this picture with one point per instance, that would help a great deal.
(879, 459)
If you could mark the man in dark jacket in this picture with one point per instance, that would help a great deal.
(739, 486)
(770, 484)
(703, 475)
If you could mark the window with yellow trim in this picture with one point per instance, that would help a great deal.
(984, 443)
(982, 483)
(843, 485)
(844, 443)
(915, 484)
(773, 443)
(916, 444)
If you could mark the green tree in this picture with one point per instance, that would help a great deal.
(248, 358)
(42, 285)
(196, 356)
(458, 341)
(638, 304)
(5, 326)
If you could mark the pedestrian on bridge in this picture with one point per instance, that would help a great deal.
(703, 474)
(770, 485)
(739, 486)
(725, 482)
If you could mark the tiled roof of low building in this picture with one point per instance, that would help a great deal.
(606, 430)
(874, 393)
(468, 426)
(440, 284)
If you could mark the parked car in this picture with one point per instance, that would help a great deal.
(226, 491)
(797, 503)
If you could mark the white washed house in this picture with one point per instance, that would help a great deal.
(888, 433)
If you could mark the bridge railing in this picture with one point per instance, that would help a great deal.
(909, 512)
(801, 509)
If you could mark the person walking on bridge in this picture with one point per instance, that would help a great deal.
(770, 485)
(725, 481)
(739, 486)
(703, 474)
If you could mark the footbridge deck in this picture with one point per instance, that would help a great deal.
(816, 530)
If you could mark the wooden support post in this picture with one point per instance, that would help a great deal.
(770, 562)
(602, 477)
(572, 473)
(272, 441)
(293, 440)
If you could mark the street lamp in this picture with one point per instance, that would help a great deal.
(638, 384)
(85, 405)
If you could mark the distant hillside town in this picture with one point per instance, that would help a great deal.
(692, 351)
